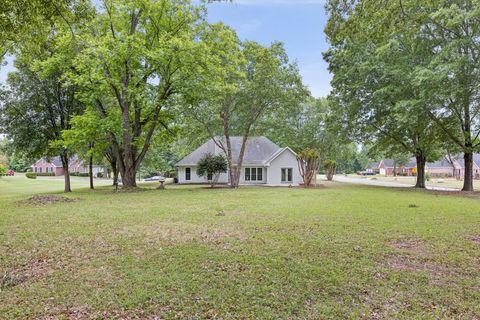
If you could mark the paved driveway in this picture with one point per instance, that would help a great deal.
(380, 183)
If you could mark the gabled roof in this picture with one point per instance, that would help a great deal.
(57, 162)
(278, 153)
(476, 160)
(258, 151)
(389, 163)
(373, 165)
(443, 163)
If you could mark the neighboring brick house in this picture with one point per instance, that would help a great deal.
(387, 167)
(476, 166)
(54, 165)
(446, 167)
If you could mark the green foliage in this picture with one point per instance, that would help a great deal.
(3, 169)
(239, 84)
(330, 168)
(151, 48)
(45, 174)
(212, 166)
(31, 175)
(376, 98)
(79, 174)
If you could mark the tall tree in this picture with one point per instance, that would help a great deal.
(35, 110)
(450, 81)
(242, 82)
(374, 94)
(135, 57)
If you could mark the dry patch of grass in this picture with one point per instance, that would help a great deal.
(46, 199)
(413, 255)
(30, 271)
(475, 239)
(181, 232)
(86, 312)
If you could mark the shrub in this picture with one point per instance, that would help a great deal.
(31, 175)
(79, 174)
(99, 174)
(3, 169)
(211, 166)
(45, 174)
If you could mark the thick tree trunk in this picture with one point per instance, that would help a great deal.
(90, 171)
(468, 176)
(421, 160)
(129, 177)
(66, 172)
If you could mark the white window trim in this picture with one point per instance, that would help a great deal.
(286, 175)
(256, 174)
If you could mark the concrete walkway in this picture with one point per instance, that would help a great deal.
(380, 183)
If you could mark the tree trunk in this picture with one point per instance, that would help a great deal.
(468, 176)
(238, 168)
(394, 168)
(90, 171)
(115, 173)
(421, 160)
(129, 176)
(66, 172)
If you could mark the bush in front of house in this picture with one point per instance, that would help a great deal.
(31, 175)
(79, 174)
(211, 166)
(45, 174)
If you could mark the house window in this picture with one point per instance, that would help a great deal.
(287, 174)
(210, 177)
(253, 174)
(188, 174)
(35, 169)
(40, 170)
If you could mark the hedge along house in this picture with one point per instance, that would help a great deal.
(264, 163)
(54, 166)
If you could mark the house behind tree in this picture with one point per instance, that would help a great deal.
(54, 166)
(264, 163)
(448, 166)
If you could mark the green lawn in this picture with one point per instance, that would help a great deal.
(341, 251)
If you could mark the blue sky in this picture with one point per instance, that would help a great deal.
(298, 24)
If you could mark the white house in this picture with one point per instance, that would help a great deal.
(264, 163)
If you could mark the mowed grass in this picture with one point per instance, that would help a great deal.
(341, 251)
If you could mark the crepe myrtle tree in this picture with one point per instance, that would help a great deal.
(308, 163)
(330, 168)
(211, 166)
